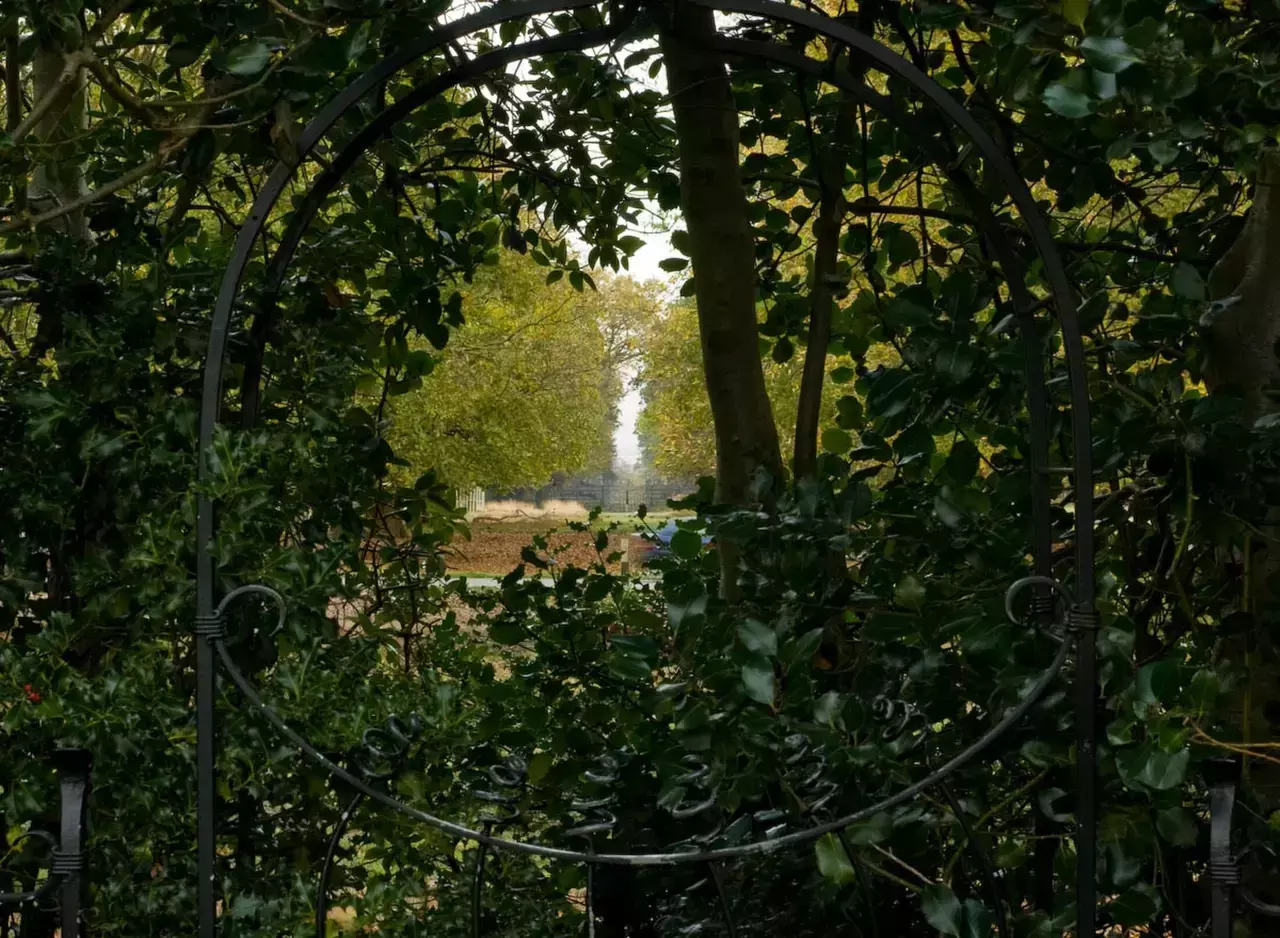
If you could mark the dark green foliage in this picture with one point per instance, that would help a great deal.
(871, 643)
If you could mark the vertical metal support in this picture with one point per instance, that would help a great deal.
(207, 624)
(74, 767)
(477, 884)
(322, 892)
(1085, 622)
(1223, 775)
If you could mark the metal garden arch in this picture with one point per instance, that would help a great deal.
(1079, 615)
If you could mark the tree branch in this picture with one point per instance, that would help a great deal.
(118, 90)
(104, 21)
(137, 174)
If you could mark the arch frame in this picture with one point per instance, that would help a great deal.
(211, 649)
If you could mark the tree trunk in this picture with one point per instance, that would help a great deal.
(723, 254)
(59, 177)
(1241, 357)
(822, 285)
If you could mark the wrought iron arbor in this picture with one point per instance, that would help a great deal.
(1078, 619)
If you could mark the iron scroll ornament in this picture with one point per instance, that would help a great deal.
(66, 872)
(211, 648)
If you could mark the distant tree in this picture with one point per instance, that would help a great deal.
(529, 385)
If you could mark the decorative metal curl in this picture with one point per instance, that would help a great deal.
(51, 882)
(383, 748)
(220, 613)
(401, 736)
(66, 861)
(1223, 776)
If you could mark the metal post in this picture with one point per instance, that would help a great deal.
(68, 860)
(1223, 776)
(207, 621)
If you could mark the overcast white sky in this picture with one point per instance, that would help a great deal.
(644, 266)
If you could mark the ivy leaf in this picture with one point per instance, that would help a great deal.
(833, 861)
(757, 678)
(1067, 101)
(1108, 55)
(673, 264)
(248, 58)
(941, 909)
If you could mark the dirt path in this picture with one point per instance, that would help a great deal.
(495, 548)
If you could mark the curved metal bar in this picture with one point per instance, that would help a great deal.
(262, 590)
(1256, 905)
(34, 895)
(645, 859)
(477, 884)
(1086, 701)
(1018, 586)
(45, 888)
(322, 910)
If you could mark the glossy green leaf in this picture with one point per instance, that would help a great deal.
(1111, 55)
(941, 909)
(833, 861)
(758, 638)
(757, 678)
(1067, 101)
(248, 58)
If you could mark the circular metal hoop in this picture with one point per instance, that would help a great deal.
(211, 649)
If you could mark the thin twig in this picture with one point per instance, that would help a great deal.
(904, 864)
(296, 17)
